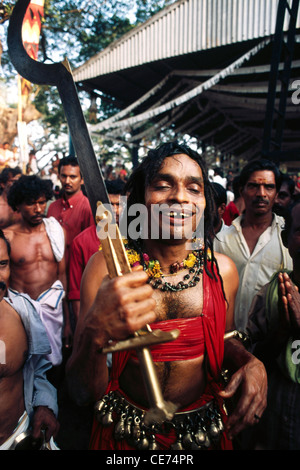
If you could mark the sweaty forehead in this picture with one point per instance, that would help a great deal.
(41, 198)
(262, 177)
(180, 163)
(70, 170)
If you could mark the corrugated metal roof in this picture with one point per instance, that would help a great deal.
(199, 68)
(185, 27)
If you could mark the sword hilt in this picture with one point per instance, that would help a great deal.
(142, 339)
(118, 265)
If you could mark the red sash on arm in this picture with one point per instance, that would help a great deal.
(214, 322)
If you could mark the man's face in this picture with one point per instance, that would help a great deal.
(33, 212)
(11, 179)
(283, 199)
(4, 268)
(70, 179)
(116, 205)
(178, 189)
(259, 192)
(294, 235)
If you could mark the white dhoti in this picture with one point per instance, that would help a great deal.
(51, 314)
(22, 426)
(50, 309)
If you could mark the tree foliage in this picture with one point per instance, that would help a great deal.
(83, 28)
(79, 30)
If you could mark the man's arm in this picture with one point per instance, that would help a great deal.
(76, 268)
(248, 382)
(110, 309)
(249, 377)
(44, 421)
(44, 401)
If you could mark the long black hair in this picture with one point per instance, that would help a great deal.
(143, 175)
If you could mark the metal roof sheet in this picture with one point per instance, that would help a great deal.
(185, 27)
(199, 68)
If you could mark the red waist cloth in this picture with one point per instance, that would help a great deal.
(210, 327)
(102, 438)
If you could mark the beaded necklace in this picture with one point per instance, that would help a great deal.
(194, 262)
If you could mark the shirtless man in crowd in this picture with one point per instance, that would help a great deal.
(187, 294)
(24, 400)
(37, 257)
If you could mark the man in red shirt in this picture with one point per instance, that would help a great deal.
(72, 209)
(236, 207)
(87, 243)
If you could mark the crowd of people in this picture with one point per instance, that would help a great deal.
(226, 278)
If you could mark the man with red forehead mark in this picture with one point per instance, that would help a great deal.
(253, 241)
(176, 286)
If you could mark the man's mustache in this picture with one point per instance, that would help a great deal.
(261, 200)
(2, 285)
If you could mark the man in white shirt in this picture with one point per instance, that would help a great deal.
(218, 177)
(253, 241)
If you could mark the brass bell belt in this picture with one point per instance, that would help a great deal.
(196, 429)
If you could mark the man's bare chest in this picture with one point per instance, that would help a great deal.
(183, 304)
(12, 333)
(31, 249)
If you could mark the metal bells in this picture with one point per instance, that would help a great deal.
(195, 430)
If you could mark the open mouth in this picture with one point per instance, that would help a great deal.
(180, 217)
(178, 214)
(174, 220)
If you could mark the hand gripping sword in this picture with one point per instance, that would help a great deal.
(60, 75)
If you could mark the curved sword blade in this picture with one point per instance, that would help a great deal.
(60, 75)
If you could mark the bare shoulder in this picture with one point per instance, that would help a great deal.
(9, 320)
(8, 309)
(227, 268)
(96, 267)
(92, 277)
(10, 231)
